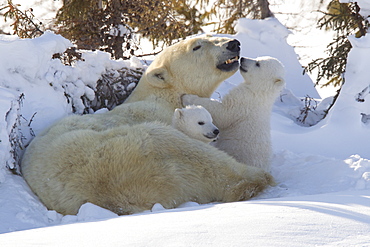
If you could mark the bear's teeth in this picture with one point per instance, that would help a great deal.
(231, 60)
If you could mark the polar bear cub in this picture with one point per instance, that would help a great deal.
(243, 117)
(196, 122)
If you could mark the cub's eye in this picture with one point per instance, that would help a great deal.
(197, 47)
(201, 123)
(258, 64)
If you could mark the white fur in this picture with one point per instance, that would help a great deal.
(244, 114)
(196, 122)
(128, 159)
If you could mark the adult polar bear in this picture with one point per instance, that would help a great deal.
(130, 158)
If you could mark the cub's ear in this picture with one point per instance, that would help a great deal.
(178, 113)
(159, 77)
(279, 81)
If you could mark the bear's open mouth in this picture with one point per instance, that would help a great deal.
(231, 60)
(229, 64)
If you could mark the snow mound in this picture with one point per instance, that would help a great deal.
(268, 38)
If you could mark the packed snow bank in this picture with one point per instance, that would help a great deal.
(346, 129)
(338, 219)
(354, 100)
(269, 38)
(36, 90)
(51, 88)
(309, 174)
(24, 71)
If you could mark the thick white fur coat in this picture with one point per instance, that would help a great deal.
(130, 158)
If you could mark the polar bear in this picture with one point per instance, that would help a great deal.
(196, 122)
(130, 158)
(244, 114)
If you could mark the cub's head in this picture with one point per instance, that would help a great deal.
(196, 122)
(263, 73)
(195, 66)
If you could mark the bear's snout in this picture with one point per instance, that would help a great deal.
(233, 45)
(213, 135)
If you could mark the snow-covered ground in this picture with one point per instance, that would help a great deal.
(322, 196)
(336, 219)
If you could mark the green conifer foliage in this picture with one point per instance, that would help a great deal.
(23, 23)
(114, 25)
(111, 24)
(229, 11)
(345, 20)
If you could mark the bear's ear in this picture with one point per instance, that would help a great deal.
(159, 78)
(279, 81)
(178, 113)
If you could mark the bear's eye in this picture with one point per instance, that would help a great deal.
(201, 123)
(197, 47)
(258, 64)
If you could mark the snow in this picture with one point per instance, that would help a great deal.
(336, 219)
(308, 41)
(262, 38)
(268, 38)
(322, 196)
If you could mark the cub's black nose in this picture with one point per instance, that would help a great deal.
(233, 45)
(216, 131)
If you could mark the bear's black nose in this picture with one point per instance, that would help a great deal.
(216, 131)
(233, 45)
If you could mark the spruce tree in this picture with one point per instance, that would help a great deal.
(24, 24)
(110, 25)
(113, 25)
(229, 11)
(345, 20)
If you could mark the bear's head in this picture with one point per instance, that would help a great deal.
(196, 122)
(263, 74)
(193, 66)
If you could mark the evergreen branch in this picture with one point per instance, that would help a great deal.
(23, 24)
